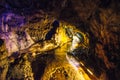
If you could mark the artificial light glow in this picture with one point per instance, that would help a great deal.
(77, 67)
(75, 42)
(82, 64)
(90, 71)
(60, 36)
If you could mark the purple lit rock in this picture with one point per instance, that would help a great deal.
(10, 20)
(13, 43)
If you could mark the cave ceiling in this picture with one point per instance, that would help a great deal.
(59, 39)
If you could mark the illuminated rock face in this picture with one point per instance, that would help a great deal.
(59, 67)
(16, 39)
(4, 64)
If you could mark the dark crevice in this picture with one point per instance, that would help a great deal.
(1, 42)
(52, 32)
(105, 3)
(40, 63)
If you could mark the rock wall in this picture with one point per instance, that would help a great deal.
(100, 19)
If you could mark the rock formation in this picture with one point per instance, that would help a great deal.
(34, 46)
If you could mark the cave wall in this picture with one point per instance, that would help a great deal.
(100, 19)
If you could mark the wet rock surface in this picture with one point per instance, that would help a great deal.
(99, 19)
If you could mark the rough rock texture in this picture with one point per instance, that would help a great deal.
(100, 19)
(4, 63)
(20, 69)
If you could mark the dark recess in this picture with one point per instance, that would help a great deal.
(1, 42)
(49, 35)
